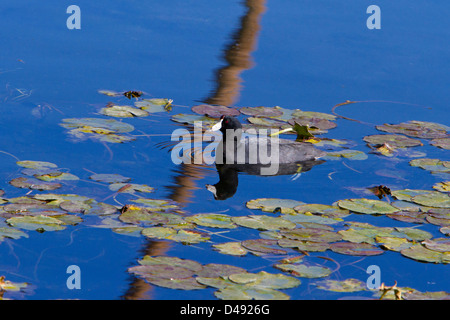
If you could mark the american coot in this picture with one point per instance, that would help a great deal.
(257, 155)
(257, 149)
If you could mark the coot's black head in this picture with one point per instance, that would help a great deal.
(227, 122)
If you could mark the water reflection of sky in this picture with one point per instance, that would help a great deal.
(306, 55)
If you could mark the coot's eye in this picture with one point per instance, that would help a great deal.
(226, 121)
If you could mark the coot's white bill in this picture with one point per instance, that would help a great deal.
(217, 126)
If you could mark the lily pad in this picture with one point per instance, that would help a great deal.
(263, 222)
(12, 233)
(261, 111)
(213, 270)
(214, 111)
(164, 271)
(322, 209)
(421, 253)
(311, 234)
(272, 204)
(393, 243)
(212, 220)
(419, 129)
(56, 175)
(34, 184)
(308, 217)
(394, 140)
(433, 199)
(192, 265)
(432, 165)
(313, 114)
(36, 164)
(123, 111)
(39, 223)
(348, 285)
(109, 178)
(442, 186)
(437, 244)
(231, 248)
(300, 245)
(304, 271)
(250, 293)
(355, 249)
(206, 122)
(347, 154)
(130, 187)
(367, 206)
(263, 246)
(154, 105)
(443, 143)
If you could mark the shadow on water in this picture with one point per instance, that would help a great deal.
(237, 55)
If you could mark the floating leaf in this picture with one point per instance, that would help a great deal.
(123, 112)
(109, 178)
(421, 253)
(215, 111)
(212, 220)
(304, 271)
(367, 206)
(36, 164)
(416, 295)
(272, 204)
(437, 244)
(213, 270)
(433, 199)
(250, 293)
(261, 111)
(432, 165)
(308, 217)
(443, 143)
(164, 271)
(408, 216)
(300, 245)
(39, 223)
(311, 234)
(393, 243)
(56, 175)
(442, 186)
(263, 246)
(413, 233)
(231, 248)
(158, 232)
(313, 114)
(110, 93)
(394, 140)
(6, 285)
(130, 187)
(355, 249)
(192, 265)
(33, 184)
(347, 154)
(154, 105)
(322, 209)
(419, 129)
(318, 123)
(206, 122)
(12, 233)
(348, 285)
(263, 222)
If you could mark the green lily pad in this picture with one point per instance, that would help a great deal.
(394, 140)
(268, 123)
(367, 206)
(304, 271)
(311, 234)
(212, 220)
(263, 246)
(136, 215)
(300, 245)
(158, 232)
(231, 248)
(130, 187)
(261, 111)
(133, 231)
(415, 295)
(263, 222)
(272, 204)
(123, 111)
(443, 143)
(420, 253)
(433, 199)
(313, 114)
(308, 217)
(418, 129)
(445, 230)
(155, 204)
(249, 293)
(407, 194)
(347, 154)
(355, 249)
(215, 111)
(12, 233)
(174, 283)
(348, 285)
(6, 285)
(408, 216)
(154, 105)
(432, 165)
(213, 270)
(192, 265)
(322, 209)
(437, 244)
(56, 175)
(265, 279)
(39, 223)
(164, 271)
(33, 184)
(191, 119)
(393, 243)
(413, 233)
(36, 164)
(109, 178)
(442, 186)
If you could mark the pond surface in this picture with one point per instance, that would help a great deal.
(296, 55)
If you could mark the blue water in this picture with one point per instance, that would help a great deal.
(307, 55)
